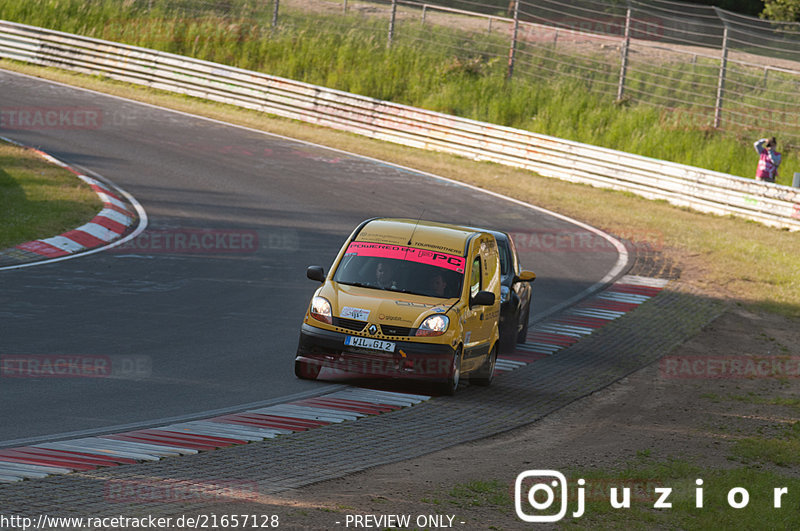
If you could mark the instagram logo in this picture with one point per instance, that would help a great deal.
(540, 495)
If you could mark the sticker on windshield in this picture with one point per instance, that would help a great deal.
(358, 314)
(398, 252)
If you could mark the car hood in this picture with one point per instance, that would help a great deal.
(382, 307)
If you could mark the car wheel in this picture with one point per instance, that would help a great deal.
(485, 374)
(306, 371)
(522, 336)
(454, 377)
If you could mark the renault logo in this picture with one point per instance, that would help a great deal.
(372, 329)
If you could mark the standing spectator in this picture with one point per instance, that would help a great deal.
(768, 159)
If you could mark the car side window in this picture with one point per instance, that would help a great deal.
(475, 279)
(514, 256)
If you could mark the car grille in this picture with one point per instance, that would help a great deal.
(391, 330)
(349, 324)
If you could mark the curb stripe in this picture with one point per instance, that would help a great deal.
(547, 338)
(606, 315)
(123, 218)
(99, 232)
(77, 456)
(42, 248)
(253, 424)
(83, 239)
(614, 306)
(107, 199)
(296, 424)
(100, 189)
(177, 436)
(155, 439)
(65, 244)
(636, 280)
(48, 461)
(108, 225)
(71, 459)
(638, 290)
(5, 465)
(77, 446)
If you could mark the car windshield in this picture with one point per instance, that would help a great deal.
(401, 269)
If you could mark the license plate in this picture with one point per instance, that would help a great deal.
(368, 342)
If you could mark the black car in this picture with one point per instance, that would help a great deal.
(516, 294)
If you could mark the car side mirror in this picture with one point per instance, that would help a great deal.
(482, 298)
(316, 273)
(525, 276)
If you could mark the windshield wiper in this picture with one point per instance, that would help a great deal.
(403, 290)
(359, 285)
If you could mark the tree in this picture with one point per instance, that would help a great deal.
(781, 10)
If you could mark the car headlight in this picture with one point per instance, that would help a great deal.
(321, 310)
(505, 291)
(435, 325)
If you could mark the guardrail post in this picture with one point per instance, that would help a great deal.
(344, 6)
(624, 66)
(391, 22)
(512, 53)
(275, 13)
(722, 72)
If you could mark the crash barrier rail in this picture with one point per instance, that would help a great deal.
(700, 189)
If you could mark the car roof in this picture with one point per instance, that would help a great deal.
(428, 235)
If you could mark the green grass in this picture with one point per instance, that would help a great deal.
(752, 398)
(323, 49)
(479, 493)
(39, 199)
(782, 450)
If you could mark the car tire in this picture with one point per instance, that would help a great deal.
(306, 371)
(485, 374)
(522, 335)
(450, 385)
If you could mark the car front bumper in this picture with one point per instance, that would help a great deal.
(423, 361)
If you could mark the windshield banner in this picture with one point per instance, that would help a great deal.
(398, 252)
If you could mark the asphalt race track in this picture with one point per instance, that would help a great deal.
(217, 328)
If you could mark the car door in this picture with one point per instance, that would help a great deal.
(477, 334)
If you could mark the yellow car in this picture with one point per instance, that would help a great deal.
(406, 298)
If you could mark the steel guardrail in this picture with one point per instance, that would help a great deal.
(682, 185)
